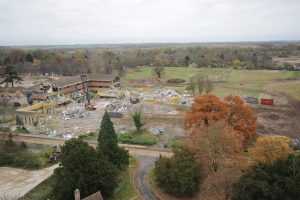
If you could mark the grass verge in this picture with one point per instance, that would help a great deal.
(128, 190)
(42, 191)
(143, 139)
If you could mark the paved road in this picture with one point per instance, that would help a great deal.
(141, 178)
(15, 182)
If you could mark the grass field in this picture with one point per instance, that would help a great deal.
(261, 75)
(245, 83)
(290, 89)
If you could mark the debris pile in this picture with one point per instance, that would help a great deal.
(117, 106)
(75, 113)
(157, 130)
(171, 95)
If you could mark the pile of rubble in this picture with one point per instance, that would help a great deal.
(117, 106)
(75, 113)
(145, 96)
(171, 95)
(157, 130)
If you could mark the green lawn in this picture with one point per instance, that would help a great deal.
(28, 158)
(139, 139)
(185, 73)
(261, 75)
(244, 83)
(42, 191)
(128, 190)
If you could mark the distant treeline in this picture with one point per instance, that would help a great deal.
(70, 61)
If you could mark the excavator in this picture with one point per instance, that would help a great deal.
(88, 105)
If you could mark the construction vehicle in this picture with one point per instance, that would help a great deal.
(88, 105)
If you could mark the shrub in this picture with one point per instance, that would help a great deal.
(23, 145)
(179, 175)
(5, 159)
(175, 144)
(276, 181)
(137, 139)
(19, 121)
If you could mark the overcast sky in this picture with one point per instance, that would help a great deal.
(42, 22)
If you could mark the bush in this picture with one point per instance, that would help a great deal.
(19, 121)
(137, 139)
(175, 144)
(276, 181)
(179, 175)
(23, 145)
(5, 159)
(22, 131)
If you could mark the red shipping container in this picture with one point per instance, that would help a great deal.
(267, 101)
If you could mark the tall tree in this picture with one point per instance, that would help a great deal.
(187, 60)
(11, 76)
(240, 117)
(204, 109)
(108, 144)
(215, 144)
(232, 110)
(81, 167)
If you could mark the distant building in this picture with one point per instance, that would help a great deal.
(95, 82)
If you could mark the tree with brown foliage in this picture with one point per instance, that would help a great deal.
(240, 117)
(232, 110)
(204, 109)
(215, 144)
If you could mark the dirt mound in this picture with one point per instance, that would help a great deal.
(175, 81)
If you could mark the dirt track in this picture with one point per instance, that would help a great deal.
(133, 149)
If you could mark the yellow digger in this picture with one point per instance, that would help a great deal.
(88, 105)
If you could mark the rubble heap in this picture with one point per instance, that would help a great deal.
(75, 113)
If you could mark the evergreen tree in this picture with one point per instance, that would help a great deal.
(82, 168)
(265, 181)
(10, 75)
(29, 57)
(108, 144)
(107, 132)
(137, 120)
(179, 175)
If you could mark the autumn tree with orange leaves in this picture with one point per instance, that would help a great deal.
(215, 144)
(240, 117)
(232, 110)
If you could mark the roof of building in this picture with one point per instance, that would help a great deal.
(68, 80)
(95, 196)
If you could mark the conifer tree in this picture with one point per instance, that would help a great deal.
(108, 144)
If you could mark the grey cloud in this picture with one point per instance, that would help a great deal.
(122, 21)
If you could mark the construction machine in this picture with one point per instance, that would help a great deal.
(88, 105)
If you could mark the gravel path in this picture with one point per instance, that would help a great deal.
(141, 178)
